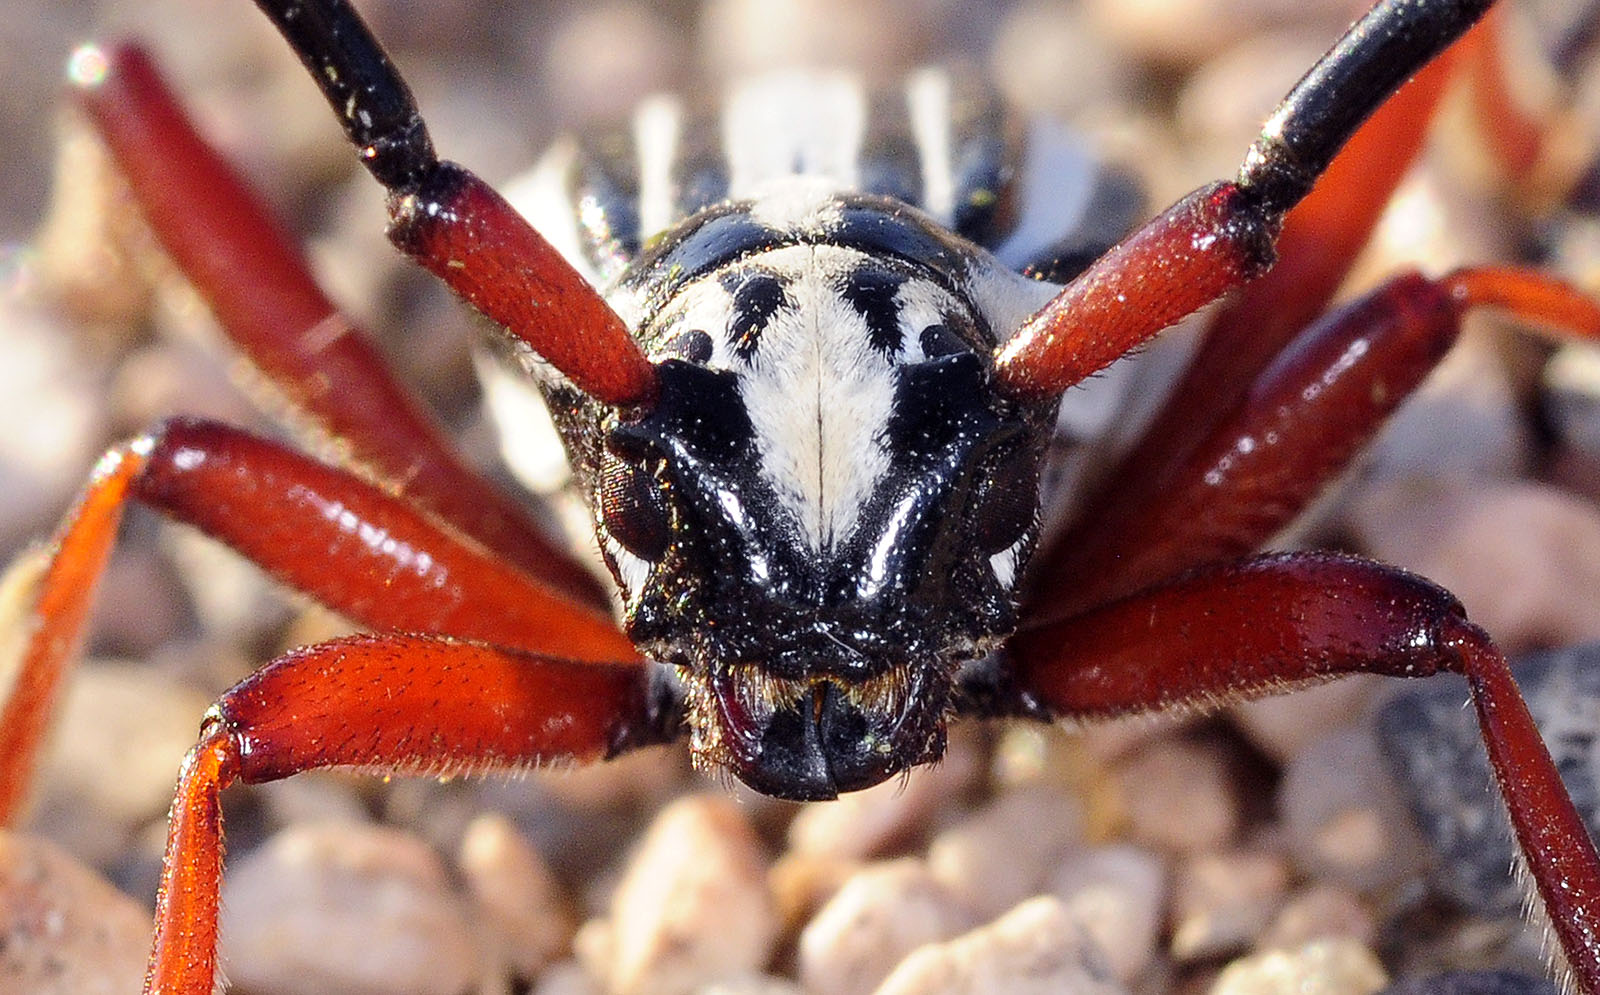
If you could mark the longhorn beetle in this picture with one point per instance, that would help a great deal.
(808, 409)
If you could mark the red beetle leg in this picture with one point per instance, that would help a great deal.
(1321, 239)
(1296, 427)
(325, 532)
(262, 293)
(1266, 625)
(447, 708)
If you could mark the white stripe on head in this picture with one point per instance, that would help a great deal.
(818, 392)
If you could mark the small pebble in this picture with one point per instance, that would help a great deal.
(752, 984)
(63, 929)
(801, 884)
(1006, 850)
(317, 796)
(1434, 746)
(1570, 403)
(1220, 110)
(517, 898)
(121, 732)
(1179, 796)
(161, 380)
(1522, 556)
(1044, 58)
(567, 978)
(743, 37)
(1435, 222)
(878, 917)
(1220, 901)
(51, 402)
(235, 600)
(1320, 912)
(1183, 33)
(692, 906)
(1344, 821)
(1326, 967)
(345, 909)
(1117, 895)
(1034, 948)
(601, 59)
(140, 605)
(1571, 396)
(643, 779)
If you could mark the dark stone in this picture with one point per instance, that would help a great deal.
(1430, 735)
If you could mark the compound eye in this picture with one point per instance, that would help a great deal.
(632, 508)
(1007, 501)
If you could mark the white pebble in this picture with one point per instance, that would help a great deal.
(120, 734)
(567, 978)
(517, 897)
(1036, 947)
(693, 906)
(1221, 901)
(345, 909)
(1320, 912)
(1328, 967)
(63, 929)
(878, 917)
(1005, 851)
(1117, 895)
(1179, 796)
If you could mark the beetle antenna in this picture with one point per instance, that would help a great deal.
(1336, 96)
(453, 223)
(367, 94)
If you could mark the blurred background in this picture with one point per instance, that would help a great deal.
(1228, 836)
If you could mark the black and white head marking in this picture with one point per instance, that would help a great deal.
(819, 517)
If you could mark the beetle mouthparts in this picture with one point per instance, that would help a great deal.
(811, 740)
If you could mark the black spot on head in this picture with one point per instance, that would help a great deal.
(938, 340)
(937, 402)
(872, 294)
(692, 346)
(756, 298)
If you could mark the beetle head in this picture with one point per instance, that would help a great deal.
(822, 515)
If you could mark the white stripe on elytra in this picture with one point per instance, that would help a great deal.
(804, 122)
(657, 131)
(928, 104)
(1056, 183)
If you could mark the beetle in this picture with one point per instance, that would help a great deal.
(809, 417)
